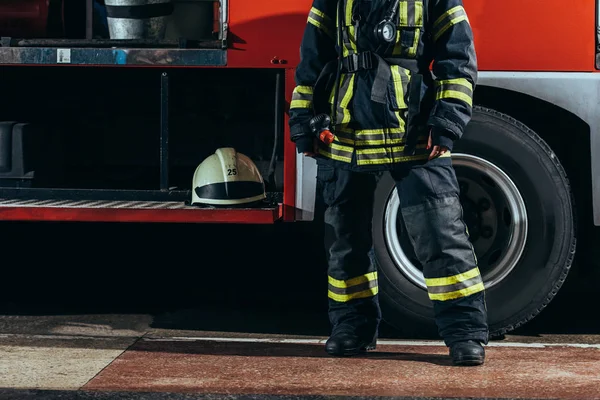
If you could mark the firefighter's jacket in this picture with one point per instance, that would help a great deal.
(390, 97)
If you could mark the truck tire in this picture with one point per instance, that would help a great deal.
(519, 210)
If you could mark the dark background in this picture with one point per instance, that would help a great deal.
(242, 278)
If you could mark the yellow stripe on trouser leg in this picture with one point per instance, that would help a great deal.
(356, 288)
(456, 286)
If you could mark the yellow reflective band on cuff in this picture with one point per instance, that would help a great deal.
(451, 280)
(452, 94)
(355, 288)
(454, 287)
(457, 81)
(302, 97)
(303, 89)
(459, 89)
(458, 293)
(371, 276)
(301, 104)
(343, 298)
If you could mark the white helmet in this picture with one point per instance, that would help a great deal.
(227, 178)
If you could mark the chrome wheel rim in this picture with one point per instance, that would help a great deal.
(495, 214)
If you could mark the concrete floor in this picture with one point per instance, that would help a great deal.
(122, 354)
(127, 315)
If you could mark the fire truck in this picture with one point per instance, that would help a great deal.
(99, 129)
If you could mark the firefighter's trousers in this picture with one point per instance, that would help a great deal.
(429, 197)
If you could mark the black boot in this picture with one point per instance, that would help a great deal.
(467, 353)
(348, 344)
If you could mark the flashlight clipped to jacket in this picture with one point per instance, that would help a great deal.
(319, 125)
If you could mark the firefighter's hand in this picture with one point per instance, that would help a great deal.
(314, 151)
(436, 150)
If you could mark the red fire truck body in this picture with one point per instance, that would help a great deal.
(529, 163)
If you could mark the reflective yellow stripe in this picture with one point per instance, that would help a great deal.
(378, 142)
(349, 7)
(301, 104)
(349, 41)
(452, 94)
(342, 298)
(451, 280)
(458, 88)
(346, 93)
(381, 151)
(398, 88)
(451, 20)
(412, 52)
(339, 147)
(371, 276)
(303, 89)
(446, 14)
(334, 156)
(346, 100)
(362, 132)
(418, 13)
(403, 13)
(349, 34)
(318, 18)
(321, 14)
(345, 140)
(458, 293)
(320, 26)
(387, 155)
(336, 151)
(375, 137)
(456, 81)
(388, 160)
(355, 288)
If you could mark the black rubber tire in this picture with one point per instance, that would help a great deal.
(551, 242)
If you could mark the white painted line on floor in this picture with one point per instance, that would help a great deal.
(62, 337)
(380, 342)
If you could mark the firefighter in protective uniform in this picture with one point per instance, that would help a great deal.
(391, 113)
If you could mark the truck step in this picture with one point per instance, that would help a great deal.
(130, 211)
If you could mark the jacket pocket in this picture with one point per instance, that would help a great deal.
(326, 182)
(410, 28)
(398, 87)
